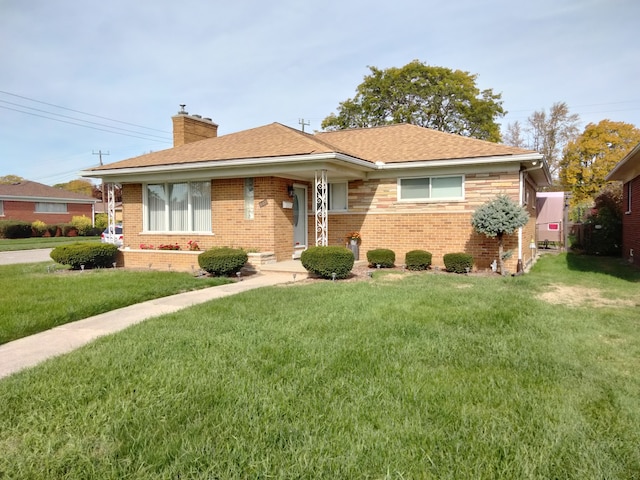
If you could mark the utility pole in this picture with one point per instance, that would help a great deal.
(100, 154)
(303, 123)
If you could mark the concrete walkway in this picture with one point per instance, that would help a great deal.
(29, 351)
(26, 256)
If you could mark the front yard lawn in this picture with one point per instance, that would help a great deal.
(34, 300)
(398, 377)
(13, 244)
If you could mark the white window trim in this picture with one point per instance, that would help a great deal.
(145, 210)
(429, 200)
(66, 208)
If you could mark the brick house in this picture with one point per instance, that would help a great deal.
(628, 172)
(276, 190)
(30, 201)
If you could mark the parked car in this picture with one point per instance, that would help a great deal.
(116, 238)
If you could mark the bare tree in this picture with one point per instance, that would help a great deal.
(513, 135)
(550, 134)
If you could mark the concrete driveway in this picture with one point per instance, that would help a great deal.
(26, 256)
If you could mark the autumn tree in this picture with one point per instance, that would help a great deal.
(10, 179)
(428, 96)
(81, 185)
(497, 218)
(590, 157)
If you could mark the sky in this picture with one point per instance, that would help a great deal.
(80, 77)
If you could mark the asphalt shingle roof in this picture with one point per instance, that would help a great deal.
(393, 143)
(28, 188)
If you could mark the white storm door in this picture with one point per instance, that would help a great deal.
(299, 217)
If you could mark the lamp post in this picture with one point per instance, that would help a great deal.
(532, 246)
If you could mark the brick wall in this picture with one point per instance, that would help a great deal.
(631, 223)
(269, 231)
(439, 227)
(25, 212)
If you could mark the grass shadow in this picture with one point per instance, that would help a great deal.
(614, 266)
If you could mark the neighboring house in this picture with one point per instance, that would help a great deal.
(551, 223)
(277, 190)
(30, 201)
(628, 172)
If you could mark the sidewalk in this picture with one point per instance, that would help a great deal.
(29, 351)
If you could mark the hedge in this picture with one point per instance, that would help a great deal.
(91, 255)
(417, 260)
(383, 257)
(326, 261)
(14, 229)
(458, 262)
(222, 260)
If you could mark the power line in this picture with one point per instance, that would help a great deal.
(150, 135)
(85, 126)
(83, 113)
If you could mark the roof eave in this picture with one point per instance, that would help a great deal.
(622, 171)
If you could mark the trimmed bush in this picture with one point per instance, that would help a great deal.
(38, 228)
(382, 256)
(458, 262)
(417, 260)
(325, 261)
(91, 255)
(222, 260)
(69, 230)
(15, 229)
(82, 224)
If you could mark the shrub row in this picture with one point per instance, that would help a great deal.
(91, 255)
(12, 229)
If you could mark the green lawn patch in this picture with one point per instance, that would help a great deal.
(433, 376)
(35, 299)
(8, 245)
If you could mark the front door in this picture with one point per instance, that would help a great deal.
(299, 220)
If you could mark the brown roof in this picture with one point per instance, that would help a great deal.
(39, 190)
(393, 143)
(405, 142)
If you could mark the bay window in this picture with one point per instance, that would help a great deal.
(178, 207)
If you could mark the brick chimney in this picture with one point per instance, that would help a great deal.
(191, 128)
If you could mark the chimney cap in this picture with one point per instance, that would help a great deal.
(182, 110)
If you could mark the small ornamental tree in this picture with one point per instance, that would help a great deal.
(497, 218)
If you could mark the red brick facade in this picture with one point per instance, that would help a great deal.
(26, 212)
(373, 210)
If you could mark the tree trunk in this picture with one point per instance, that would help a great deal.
(501, 254)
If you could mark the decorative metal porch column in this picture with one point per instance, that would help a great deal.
(322, 206)
(111, 211)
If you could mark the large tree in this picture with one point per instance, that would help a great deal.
(428, 96)
(590, 157)
(547, 133)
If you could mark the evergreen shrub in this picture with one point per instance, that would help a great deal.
(222, 260)
(91, 255)
(458, 262)
(327, 260)
(15, 229)
(417, 260)
(382, 256)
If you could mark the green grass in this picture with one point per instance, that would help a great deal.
(424, 376)
(8, 245)
(35, 300)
